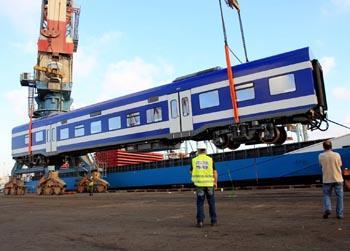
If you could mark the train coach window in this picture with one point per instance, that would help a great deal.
(79, 130)
(153, 99)
(114, 123)
(154, 115)
(94, 114)
(95, 127)
(209, 99)
(245, 92)
(282, 84)
(64, 133)
(26, 139)
(133, 119)
(39, 136)
(173, 107)
(185, 106)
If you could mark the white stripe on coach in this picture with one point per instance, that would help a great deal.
(115, 133)
(255, 109)
(25, 149)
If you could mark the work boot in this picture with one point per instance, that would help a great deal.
(200, 224)
(326, 214)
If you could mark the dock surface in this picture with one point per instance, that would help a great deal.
(275, 219)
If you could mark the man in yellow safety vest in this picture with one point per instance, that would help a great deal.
(204, 177)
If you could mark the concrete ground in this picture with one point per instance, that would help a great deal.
(285, 219)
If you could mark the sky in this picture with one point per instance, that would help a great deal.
(127, 46)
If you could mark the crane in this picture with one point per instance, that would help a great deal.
(51, 84)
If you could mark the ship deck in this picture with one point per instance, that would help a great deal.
(274, 219)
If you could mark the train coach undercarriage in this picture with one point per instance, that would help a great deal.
(264, 132)
(234, 136)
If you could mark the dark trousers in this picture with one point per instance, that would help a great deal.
(203, 192)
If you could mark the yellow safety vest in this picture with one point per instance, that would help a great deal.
(202, 172)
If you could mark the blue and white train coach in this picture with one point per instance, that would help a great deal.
(272, 92)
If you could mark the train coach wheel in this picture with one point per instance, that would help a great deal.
(221, 141)
(233, 145)
(282, 136)
(267, 139)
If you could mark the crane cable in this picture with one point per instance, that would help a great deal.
(233, 4)
(242, 34)
(235, 55)
(225, 35)
(229, 71)
(339, 124)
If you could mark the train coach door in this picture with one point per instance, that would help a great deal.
(186, 111)
(51, 139)
(180, 112)
(174, 114)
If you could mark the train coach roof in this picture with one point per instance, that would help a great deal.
(288, 58)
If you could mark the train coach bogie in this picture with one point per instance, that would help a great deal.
(282, 136)
(273, 135)
(221, 141)
(249, 134)
(233, 145)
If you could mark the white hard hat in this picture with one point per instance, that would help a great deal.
(201, 145)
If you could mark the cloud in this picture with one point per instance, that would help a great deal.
(347, 121)
(341, 93)
(341, 4)
(108, 38)
(334, 7)
(86, 60)
(23, 14)
(84, 64)
(101, 42)
(28, 47)
(17, 104)
(125, 77)
(328, 63)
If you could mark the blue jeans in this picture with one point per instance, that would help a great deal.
(327, 192)
(203, 192)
